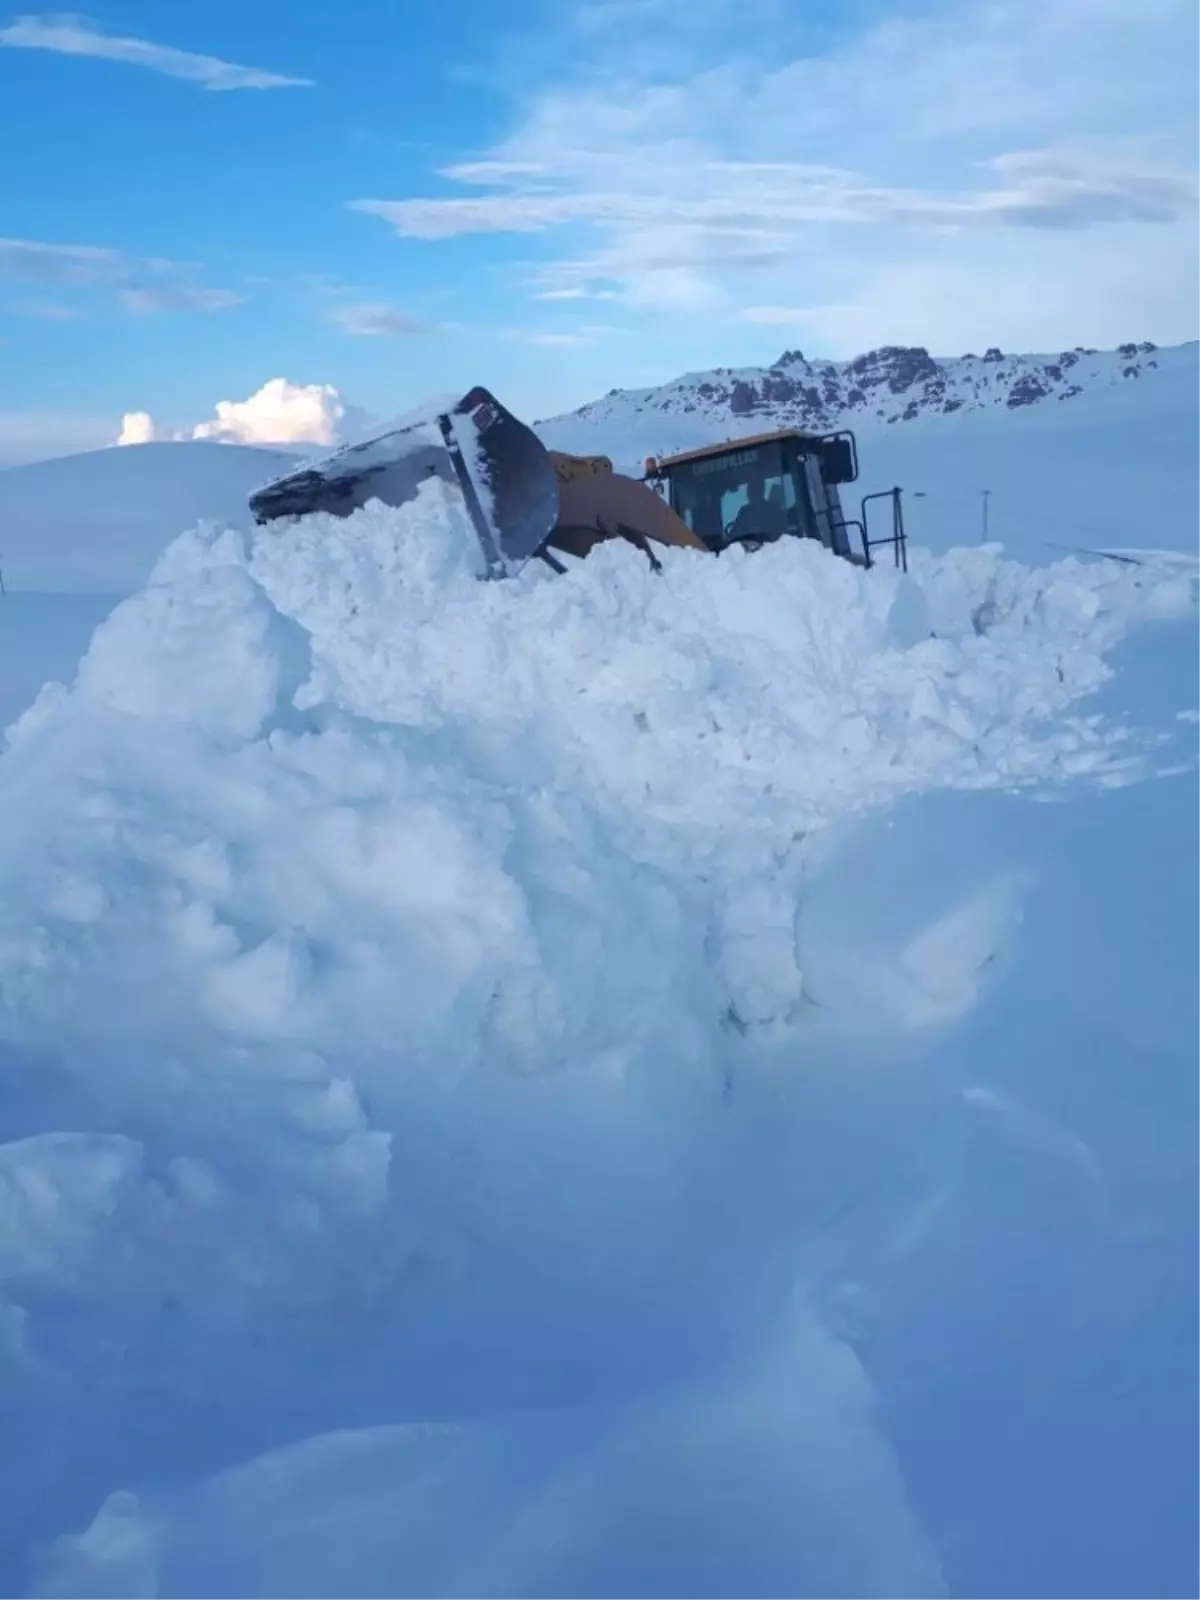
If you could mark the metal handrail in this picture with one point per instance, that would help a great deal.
(897, 538)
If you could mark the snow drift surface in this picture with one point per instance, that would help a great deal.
(456, 1142)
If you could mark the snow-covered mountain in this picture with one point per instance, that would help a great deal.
(897, 383)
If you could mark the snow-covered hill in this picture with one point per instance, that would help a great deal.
(895, 384)
(97, 522)
(621, 1064)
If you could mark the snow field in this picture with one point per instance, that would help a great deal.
(414, 1010)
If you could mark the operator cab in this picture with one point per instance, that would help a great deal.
(757, 490)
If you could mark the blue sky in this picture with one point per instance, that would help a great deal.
(394, 200)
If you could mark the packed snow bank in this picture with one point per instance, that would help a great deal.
(438, 1090)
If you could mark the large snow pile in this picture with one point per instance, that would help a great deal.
(479, 1087)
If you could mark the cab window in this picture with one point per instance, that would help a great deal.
(742, 494)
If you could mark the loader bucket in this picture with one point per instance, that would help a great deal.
(497, 464)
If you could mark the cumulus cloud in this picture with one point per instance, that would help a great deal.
(70, 35)
(279, 413)
(137, 427)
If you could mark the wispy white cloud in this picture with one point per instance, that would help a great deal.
(685, 239)
(546, 339)
(142, 286)
(782, 185)
(775, 316)
(69, 265)
(575, 293)
(554, 338)
(1016, 299)
(177, 297)
(48, 311)
(70, 35)
(375, 319)
(749, 205)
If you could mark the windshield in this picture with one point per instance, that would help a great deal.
(745, 494)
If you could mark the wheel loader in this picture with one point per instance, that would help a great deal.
(525, 501)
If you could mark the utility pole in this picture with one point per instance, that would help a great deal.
(984, 531)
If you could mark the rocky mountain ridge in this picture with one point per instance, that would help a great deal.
(897, 383)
